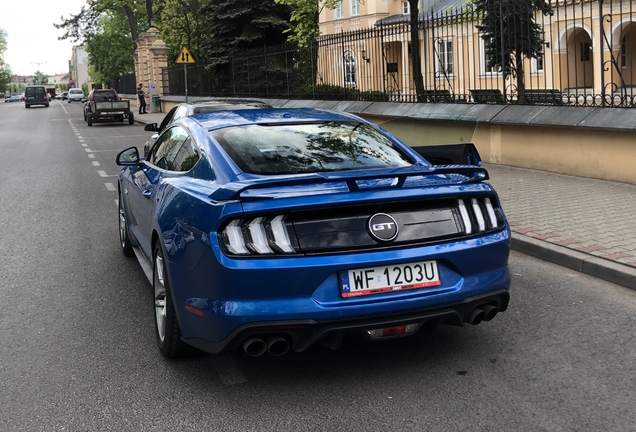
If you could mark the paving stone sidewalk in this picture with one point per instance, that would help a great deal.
(569, 215)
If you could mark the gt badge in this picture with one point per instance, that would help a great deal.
(383, 227)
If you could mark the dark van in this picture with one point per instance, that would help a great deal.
(35, 95)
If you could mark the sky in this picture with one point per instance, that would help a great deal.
(31, 37)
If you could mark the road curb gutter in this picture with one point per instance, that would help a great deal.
(601, 268)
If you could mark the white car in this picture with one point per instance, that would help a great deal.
(75, 95)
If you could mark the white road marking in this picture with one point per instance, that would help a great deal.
(102, 173)
(63, 109)
(92, 156)
(117, 203)
(95, 163)
(88, 150)
(111, 187)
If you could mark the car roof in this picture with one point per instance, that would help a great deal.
(227, 118)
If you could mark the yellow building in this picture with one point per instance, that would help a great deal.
(588, 51)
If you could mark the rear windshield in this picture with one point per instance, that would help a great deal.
(309, 148)
(76, 91)
(35, 91)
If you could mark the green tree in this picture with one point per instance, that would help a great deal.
(240, 25)
(110, 49)
(79, 26)
(40, 78)
(511, 34)
(5, 70)
(181, 25)
(304, 16)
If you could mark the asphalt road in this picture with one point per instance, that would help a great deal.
(77, 349)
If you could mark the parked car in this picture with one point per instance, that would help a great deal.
(188, 109)
(274, 229)
(35, 95)
(75, 95)
(106, 105)
(64, 96)
(14, 98)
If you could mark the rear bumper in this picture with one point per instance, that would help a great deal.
(302, 334)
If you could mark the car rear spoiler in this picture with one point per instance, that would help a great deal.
(449, 154)
(471, 174)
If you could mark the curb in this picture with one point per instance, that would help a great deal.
(601, 268)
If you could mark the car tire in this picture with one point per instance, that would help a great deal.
(124, 240)
(120, 119)
(47, 105)
(69, 101)
(166, 324)
(89, 119)
(27, 106)
(131, 118)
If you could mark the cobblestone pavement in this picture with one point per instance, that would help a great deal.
(595, 217)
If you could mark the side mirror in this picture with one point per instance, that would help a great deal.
(151, 127)
(128, 157)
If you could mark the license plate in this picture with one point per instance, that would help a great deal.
(397, 277)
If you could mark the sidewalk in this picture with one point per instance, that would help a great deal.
(583, 224)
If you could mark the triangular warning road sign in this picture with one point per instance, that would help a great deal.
(184, 57)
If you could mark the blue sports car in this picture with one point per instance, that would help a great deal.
(275, 229)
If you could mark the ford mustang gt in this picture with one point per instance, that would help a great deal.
(274, 229)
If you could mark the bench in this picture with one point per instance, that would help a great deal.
(488, 96)
(438, 96)
(544, 97)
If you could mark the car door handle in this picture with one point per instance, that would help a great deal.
(146, 193)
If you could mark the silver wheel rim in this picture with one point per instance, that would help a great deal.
(160, 298)
(122, 225)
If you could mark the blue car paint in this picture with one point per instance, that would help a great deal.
(231, 292)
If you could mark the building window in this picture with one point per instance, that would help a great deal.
(349, 68)
(406, 8)
(355, 7)
(585, 51)
(485, 54)
(444, 57)
(338, 12)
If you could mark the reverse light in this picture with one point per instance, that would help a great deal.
(393, 331)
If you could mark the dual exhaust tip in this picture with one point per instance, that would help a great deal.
(275, 345)
(484, 312)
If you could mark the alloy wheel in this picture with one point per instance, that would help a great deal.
(160, 297)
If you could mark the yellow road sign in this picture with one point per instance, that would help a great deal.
(184, 57)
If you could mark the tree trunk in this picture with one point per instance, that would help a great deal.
(132, 22)
(415, 51)
(521, 79)
(151, 19)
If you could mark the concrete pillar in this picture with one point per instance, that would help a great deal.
(150, 57)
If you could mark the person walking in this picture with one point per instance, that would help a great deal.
(142, 99)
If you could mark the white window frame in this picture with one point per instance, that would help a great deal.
(444, 58)
(338, 11)
(483, 64)
(537, 65)
(406, 8)
(349, 68)
(355, 7)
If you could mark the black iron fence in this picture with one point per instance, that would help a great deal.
(125, 84)
(582, 54)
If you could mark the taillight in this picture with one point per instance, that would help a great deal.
(479, 215)
(257, 236)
